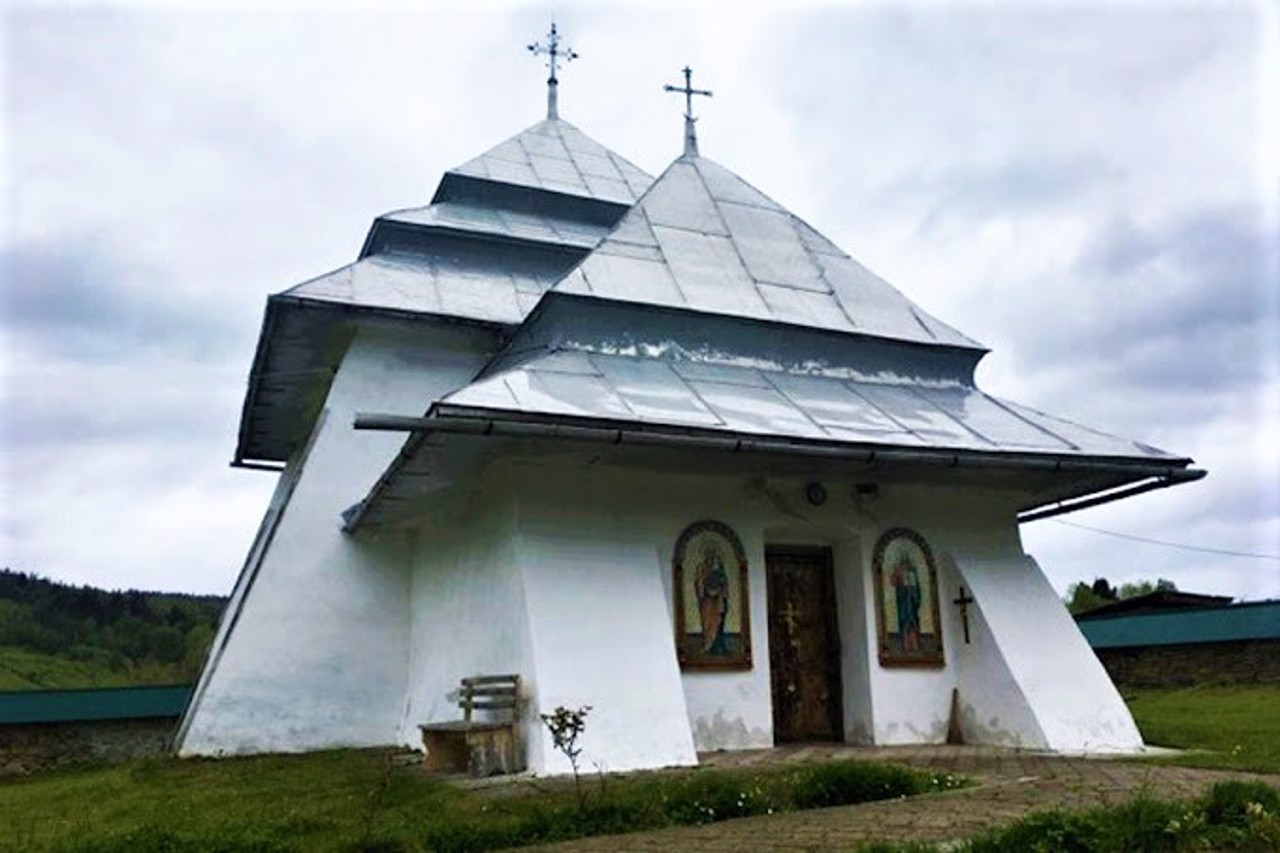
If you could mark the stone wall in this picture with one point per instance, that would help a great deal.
(1240, 662)
(31, 747)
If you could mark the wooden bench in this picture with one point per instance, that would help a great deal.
(481, 747)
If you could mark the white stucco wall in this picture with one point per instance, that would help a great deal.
(600, 630)
(992, 707)
(580, 519)
(640, 515)
(910, 704)
(1063, 692)
(317, 654)
(1026, 678)
(1006, 698)
(469, 614)
(853, 614)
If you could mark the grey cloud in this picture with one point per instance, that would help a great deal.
(971, 191)
(1178, 307)
(86, 304)
(1229, 246)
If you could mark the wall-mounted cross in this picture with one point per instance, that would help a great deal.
(690, 137)
(554, 53)
(963, 603)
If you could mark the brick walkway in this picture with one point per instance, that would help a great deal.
(1009, 785)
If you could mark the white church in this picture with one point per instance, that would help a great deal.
(656, 446)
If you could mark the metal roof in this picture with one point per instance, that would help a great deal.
(109, 703)
(495, 221)
(782, 404)
(704, 239)
(1250, 621)
(424, 285)
(555, 156)
(1159, 600)
(501, 230)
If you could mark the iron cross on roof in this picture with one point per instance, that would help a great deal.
(554, 52)
(690, 136)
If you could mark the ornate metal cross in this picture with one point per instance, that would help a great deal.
(690, 137)
(554, 52)
(963, 603)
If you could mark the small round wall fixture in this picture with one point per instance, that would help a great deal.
(816, 493)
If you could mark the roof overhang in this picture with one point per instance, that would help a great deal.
(299, 349)
(1063, 482)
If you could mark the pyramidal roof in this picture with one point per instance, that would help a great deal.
(554, 155)
(702, 238)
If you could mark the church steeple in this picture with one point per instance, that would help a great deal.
(690, 133)
(554, 52)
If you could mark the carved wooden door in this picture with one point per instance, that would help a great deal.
(804, 649)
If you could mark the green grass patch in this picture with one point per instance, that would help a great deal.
(1235, 728)
(1242, 817)
(358, 801)
(1231, 816)
(22, 669)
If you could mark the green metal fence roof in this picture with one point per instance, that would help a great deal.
(108, 703)
(1250, 621)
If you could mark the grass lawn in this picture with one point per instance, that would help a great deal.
(22, 669)
(1239, 727)
(357, 801)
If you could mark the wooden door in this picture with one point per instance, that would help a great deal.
(804, 648)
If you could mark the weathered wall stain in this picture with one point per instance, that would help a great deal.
(721, 732)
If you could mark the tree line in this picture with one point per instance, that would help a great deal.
(1083, 597)
(156, 637)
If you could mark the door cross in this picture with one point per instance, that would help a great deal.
(791, 615)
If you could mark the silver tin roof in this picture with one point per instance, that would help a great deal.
(702, 238)
(555, 156)
(501, 230)
(499, 222)
(422, 285)
(750, 400)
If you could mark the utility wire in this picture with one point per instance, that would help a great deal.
(1169, 544)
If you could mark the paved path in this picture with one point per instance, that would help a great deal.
(1010, 784)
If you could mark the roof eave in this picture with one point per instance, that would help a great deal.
(446, 418)
(280, 302)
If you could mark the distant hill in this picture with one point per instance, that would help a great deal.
(53, 635)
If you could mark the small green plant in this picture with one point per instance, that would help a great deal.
(843, 783)
(1230, 816)
(566, 726)
(1232, 803)
(377, 795)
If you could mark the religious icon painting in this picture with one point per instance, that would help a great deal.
(712, 610)
(906, 589)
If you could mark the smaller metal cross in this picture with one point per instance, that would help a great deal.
(689, 92)
(690, 137)
(963, 602)
(553, 51)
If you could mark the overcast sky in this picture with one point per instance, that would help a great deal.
(1089, 190)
